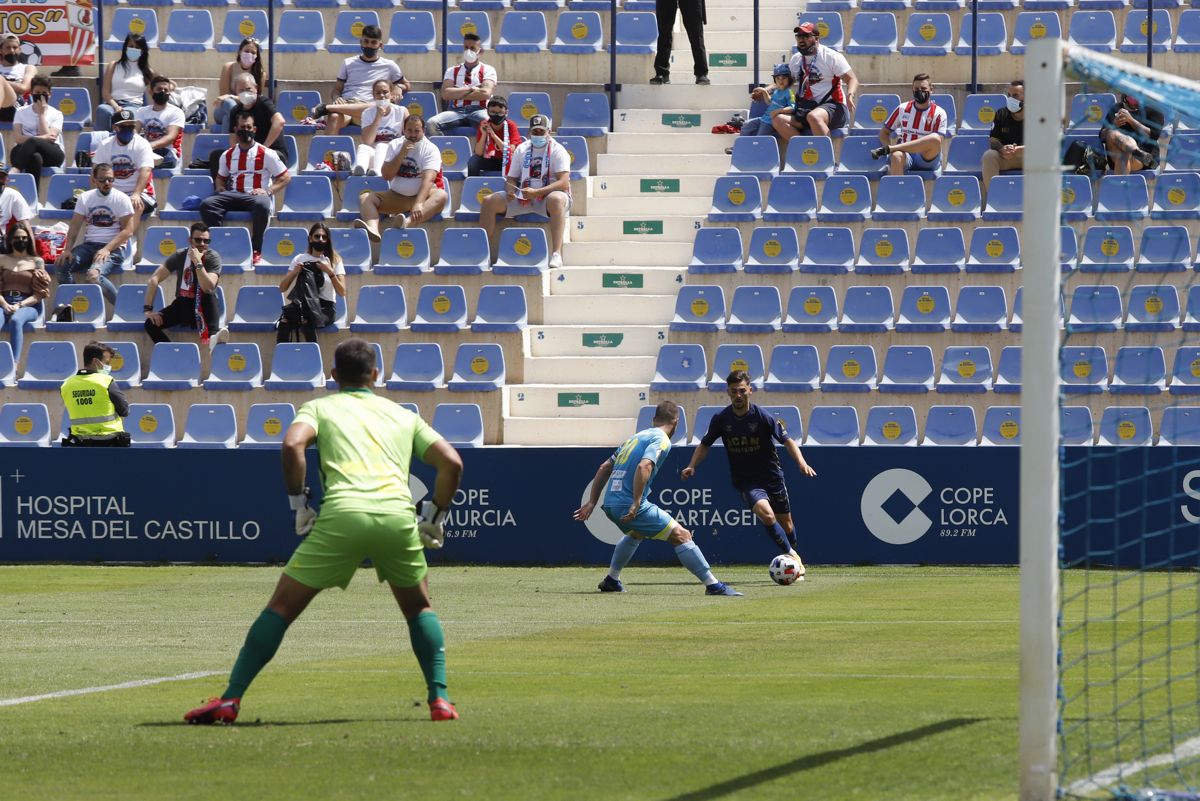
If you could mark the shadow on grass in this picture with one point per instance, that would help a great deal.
(265, 723)
(821, 759)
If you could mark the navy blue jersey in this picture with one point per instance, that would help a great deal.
(750, 444)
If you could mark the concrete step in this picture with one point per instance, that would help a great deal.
(624, 229)
(644, 254)
(607, 310)
(607, 280)
(723, 20)
(590, 341)
(589, 369)
(678, 164)
(584, 400)
(684, 142)
(668, 189)
(681, 95)
(647, 120)
(599, 431)
(646, 206)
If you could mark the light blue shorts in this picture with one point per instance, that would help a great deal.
(650, 523)
(915, 161)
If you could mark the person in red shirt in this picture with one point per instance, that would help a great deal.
(495, 140)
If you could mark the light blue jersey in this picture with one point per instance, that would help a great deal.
(652, 444)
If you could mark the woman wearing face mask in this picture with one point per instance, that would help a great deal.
(382, 122)
(24, 284)
(18, 76)
(495, 140)
(37, 132)
(248, 62)
(125, 81)
(319, 276)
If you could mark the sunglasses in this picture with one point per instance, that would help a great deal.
(319, 238)
(45, 98)
(107, 180)
(200, 241)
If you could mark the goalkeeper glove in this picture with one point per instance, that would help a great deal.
(429, 527)
(306, 516)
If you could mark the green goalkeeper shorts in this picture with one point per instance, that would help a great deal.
(340, 541)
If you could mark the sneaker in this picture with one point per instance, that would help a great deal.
(1149, 160)
(880, 152)
(702, 80)
(401, 221)
(217, 710)
(720, 588)
(372, 231)
(611, 584)
(256, 258)
(318, 111)
(371, 172)
(799, 573)
(729, 151)
(659, 80)
(217, 339)
(358, 171)
(555, 261)
(441, 709)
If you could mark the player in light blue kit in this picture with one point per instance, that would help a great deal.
(626, 477)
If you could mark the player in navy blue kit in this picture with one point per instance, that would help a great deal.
(749, 435)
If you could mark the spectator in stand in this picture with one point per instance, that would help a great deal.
(912, 137)
(466, 89)
(415, 183)
(694, 19)
(197, 272)
(249, 177)
(37, 132)
(162, 123)
(109, 222)
(94, 404)
(382, 123)
(1130, 132)
(319, 276)
(24, 283)
(353, 89)
(14, 210)
(248, 62)
(538, 181)
(125, 81)
(1006, 145)
(826, 88)
(268, 122)
(782, 100)
(17, 75)
(495, 140)
(132, 161)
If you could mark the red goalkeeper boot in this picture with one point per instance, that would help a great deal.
(217, 710)
(441, 709)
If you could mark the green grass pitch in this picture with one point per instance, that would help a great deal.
(861, 683)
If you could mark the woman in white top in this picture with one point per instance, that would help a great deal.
(37, 132)
(125, 81)
(324, 267)
(17, 76)
(381, 123)
(249, 60)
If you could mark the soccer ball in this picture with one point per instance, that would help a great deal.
(784, 569)
(30, 54)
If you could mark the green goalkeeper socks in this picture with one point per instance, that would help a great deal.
(429, 644)
(261, 643)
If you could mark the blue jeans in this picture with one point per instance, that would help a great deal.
(224, 113)
(168, 158)
(756, 127)
(105, 112)
(455, 117)
(81, 261)
(15, 324)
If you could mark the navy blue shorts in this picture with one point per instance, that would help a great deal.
(776, 495)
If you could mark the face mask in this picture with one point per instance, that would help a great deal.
(106, 369)
(497, 119)
(124, 135)
(470, 56)
(20, 245)
(245, 135)
(10, 58)
(1012, 104)
(133, 53)
(247, 59)
(370, 52)
(539, 141)
(921, 95)
(161, 98)
(809, 48)
(247, 99)
(383, 103)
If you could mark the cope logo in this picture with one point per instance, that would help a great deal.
(891, 508)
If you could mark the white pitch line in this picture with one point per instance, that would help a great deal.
(1110, 776)
(29, 699)
(529, 622)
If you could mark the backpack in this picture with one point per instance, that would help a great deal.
(1084, 159)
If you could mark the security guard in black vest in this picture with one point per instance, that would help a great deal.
(94, 403)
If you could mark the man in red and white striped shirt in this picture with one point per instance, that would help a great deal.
(912, 136)
(248, 177)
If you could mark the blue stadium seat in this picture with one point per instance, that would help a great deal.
(965, 369)
(484, 5)
(1015, 324)
(1176, 196)
(422, 104)
(680, 368)
(127, 311)
(180, 189)
(1076, 198)
(728, 358)
(964, 156)
(203, 145)
(242, 23)
(907, 368)
(296, 366)
(1002, 426)
(1122, 197)
(755, 310)
(235, 366)
(417, 367)
(347, 30)
(756, 156)
(736, 199)
(793, 368)
(979, 111)
(60, 188)
(829, 26)
(871, 112)
(716, 250)
(1164, 249)
(24, 425)
(440, 308)
(789, 418)
(1187, 39)
(1151, 308)
(899, 198)
(1068, 248)
(828, 250)
(462, 22)
(8, 366)
(87, 307)
(845, 198)
(890, 425)
(1008, 371)
(578, 33)
(950, 425)
(1125, 425)
(1083, 369)
(1135, 32)
(126, 364)
(811, 310)
(456, 154)
(584, 114)
(478, 367)
(209, 425)
(980, 309)
(773, 250)
(704, 416)
(151, 425)
(1033, 25)
(577, 149)
(924, 309)
(1088, 110)
(791, 198)
(1107, 250)
(380, 309)
(523, 32)
(189, 30)
(142, 21)
(1138, 370)
(26, 185)
(809, 155)
(832, 425)
(993, 36)
(883, 251)
(461, 424)
(266, 424)
(856, 158)
(1095, 30)
(403, 252)
(849, 368)
(1004, 199)
(353, 247)
(294, 105)
(411, 32)
(300, 31)
(927, 34)
(699, 308)
(1185, 371)
(340, 316)
(474, 190)
(872, 34)
(232, 244)
(1075, 425)
(173, 366)
(324, 149)
(955, 198)
(1180, 426)
(257, 308)
(501, 307)
(523, 251)
(939, 250)
(464, 251)
(637, 33)
(994, 250)
(308, 198)
(280, 245)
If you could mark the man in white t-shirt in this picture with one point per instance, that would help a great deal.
(13, 207)
(912, 137)
(382, 124)
(162, 123)
(826, 88)
(109, 222)
(355, 78)
(538, 182)
(466, 89)
(416, 190)
(132, 161)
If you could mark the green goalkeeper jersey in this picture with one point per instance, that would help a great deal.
(366, 444)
